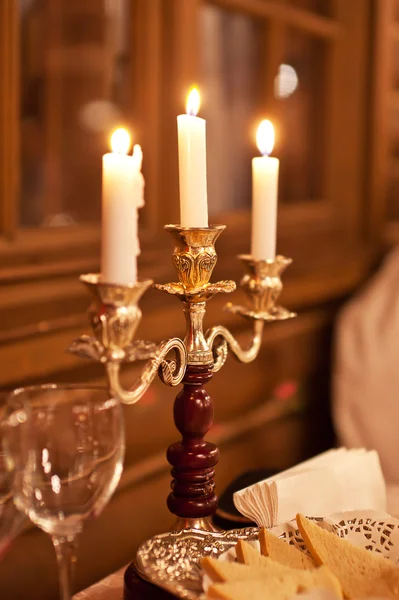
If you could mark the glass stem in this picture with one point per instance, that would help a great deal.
(65, 550)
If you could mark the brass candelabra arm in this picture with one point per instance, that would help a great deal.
(262, 285)
(87, 346)
(171, 372)
(220, 339)
(114, 317)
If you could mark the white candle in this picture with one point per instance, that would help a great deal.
(192, 165)
(138, 191)
(264, 195)
(122, 191)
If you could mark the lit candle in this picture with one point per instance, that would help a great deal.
(264, 195)
(138, 191)
(192, 165)
(122, 193)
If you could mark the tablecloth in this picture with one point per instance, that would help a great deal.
(110, 588)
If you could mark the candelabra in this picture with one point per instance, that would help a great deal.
(114, 317)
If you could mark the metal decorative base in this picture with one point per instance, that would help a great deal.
(171, 560)
(204, 524)
(135, 587)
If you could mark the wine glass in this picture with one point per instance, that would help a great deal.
(67, 451)
(10, 517)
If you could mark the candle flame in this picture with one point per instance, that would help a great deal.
(120, 141)
(193, 102)
(265, 137)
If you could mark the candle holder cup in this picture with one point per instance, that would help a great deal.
(114, 317)
(262, 286)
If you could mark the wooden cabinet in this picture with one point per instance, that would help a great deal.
(384, 123)
(325, 71)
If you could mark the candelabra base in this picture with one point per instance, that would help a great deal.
(204, 523)
(135, 587)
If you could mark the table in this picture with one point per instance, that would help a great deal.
(110, 588)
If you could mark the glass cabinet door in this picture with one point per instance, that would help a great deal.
(300, 88)
(230, 44)
(249, 72)
(74, 63)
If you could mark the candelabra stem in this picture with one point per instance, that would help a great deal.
(198, 350)
(193, 459)
(193, 497)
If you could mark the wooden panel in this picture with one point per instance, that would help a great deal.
(9, 116)
(382, 224)
(379, 133)
(147, 100)
(308, 21)
(349, 118)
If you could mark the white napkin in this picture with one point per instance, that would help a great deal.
(337, 480)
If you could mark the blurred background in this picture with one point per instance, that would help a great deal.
(326, 72)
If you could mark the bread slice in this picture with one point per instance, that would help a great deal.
(360, 572)
(282, 552)
(248, 555)
(252, 590)
(221, 571)
(257, 590)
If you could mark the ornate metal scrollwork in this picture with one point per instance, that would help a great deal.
(219, 339)
(171, 372)
(114, 316)
(194, 270)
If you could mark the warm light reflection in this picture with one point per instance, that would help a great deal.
(286, 81)
(120, 141)
(55, 483)
(193, 102)
(265, 137)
